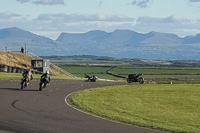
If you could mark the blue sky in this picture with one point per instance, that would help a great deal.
(49, 18)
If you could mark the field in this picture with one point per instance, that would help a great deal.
(159, 106)
(154, 71)
(80, 71)
(161, 75)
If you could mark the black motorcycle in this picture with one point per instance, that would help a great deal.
(43, 83)
(90, 79)
(135, 78)
(24, 83)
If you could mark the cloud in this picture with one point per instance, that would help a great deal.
(175, 19)
(24, 1)
(43, 2)
(194, 0)
(141, 3)
(172, 24)
(8, 15)
(100, 3)
(51, 25)
(61, 17)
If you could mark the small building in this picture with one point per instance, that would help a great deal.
(40, 65)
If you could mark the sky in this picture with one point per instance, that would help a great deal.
(50, 18)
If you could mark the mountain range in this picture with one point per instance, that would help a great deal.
(117, 44)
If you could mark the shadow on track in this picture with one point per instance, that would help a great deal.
(29, 90)
(17, 89)
(11, 89)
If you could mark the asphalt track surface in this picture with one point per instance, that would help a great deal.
(33, 111)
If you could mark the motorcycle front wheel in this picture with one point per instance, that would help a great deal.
(40, 88)
(141, 80)
(23, 85)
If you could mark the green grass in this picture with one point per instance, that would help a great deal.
(5, 76)
(18, 76)
(158, 70)
(80, 71)
(159, 106)
(163, 74)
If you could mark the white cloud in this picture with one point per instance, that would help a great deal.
(175, 19)
(172, 24)
(61, 17)
(51, 25)
(141, 3)
(8, 15)
(43, 2)
(194, 0)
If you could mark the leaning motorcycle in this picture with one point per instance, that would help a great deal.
(24, 83)
(43, 83)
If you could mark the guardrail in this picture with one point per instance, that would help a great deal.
(63, 71)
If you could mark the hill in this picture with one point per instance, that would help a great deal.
(23, 61)
(15, 59)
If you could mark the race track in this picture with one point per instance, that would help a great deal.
(33, 111)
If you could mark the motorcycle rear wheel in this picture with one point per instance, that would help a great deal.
(128, 80)
(23, 85)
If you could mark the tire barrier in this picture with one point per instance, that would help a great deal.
(18, 70)
(11, 69)
(14, 69)
(3, 68)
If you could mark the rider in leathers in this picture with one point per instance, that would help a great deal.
(27, 75)
(46, 76)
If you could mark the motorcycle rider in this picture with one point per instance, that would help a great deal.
(27, 76)
(87, 76)
(46, 76)
(94, 77)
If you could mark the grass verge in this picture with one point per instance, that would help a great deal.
(18, 76)
(159, 106)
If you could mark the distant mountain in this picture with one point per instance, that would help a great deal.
(191, 39)
(92, 36)
(120, 37)
(118, 44)
(15, 38)
(161, 38)
(126, 44)
(19, 34)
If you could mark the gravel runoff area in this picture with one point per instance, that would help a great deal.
(33, 111)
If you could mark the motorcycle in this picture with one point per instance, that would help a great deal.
(24, 83)
(135, 78)
(43, 83)
(90, 79)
